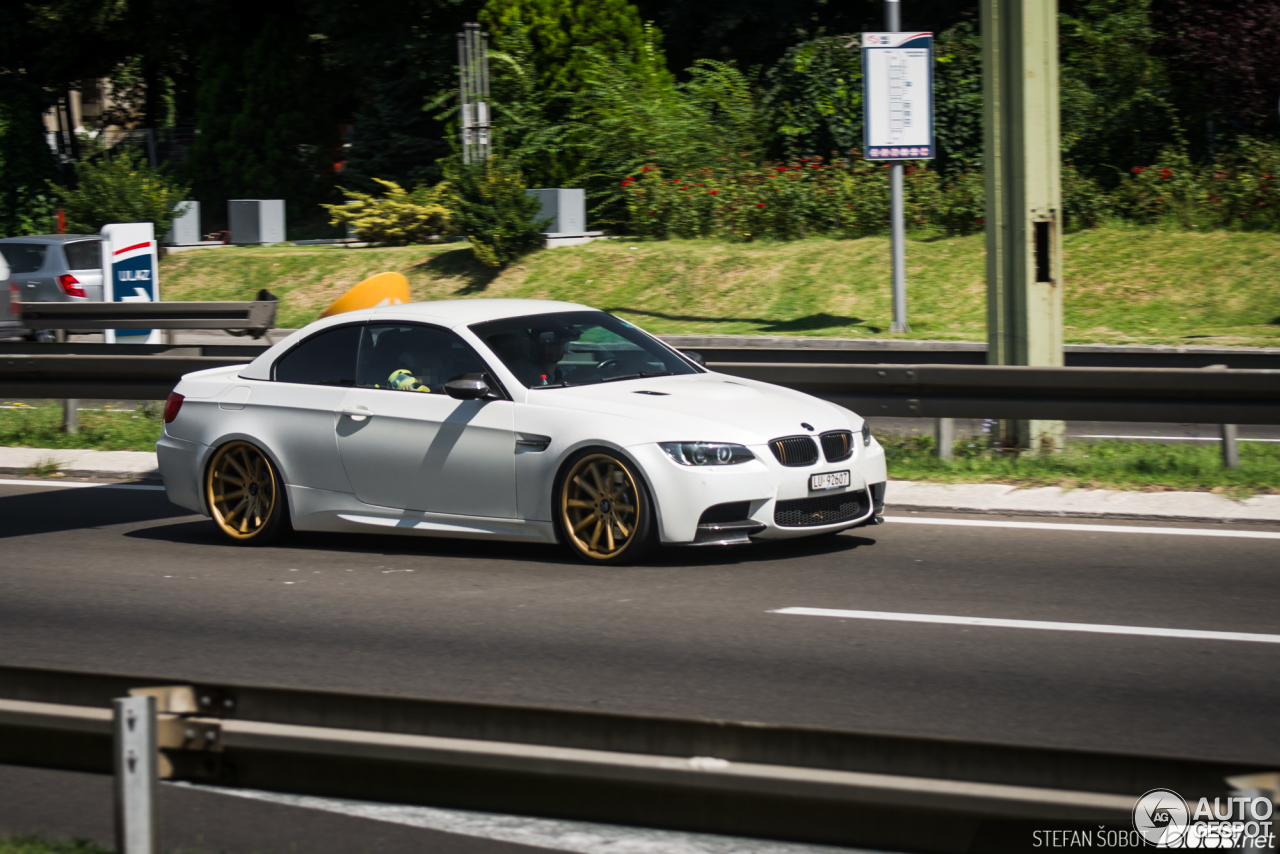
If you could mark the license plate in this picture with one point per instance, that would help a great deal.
(830, 480)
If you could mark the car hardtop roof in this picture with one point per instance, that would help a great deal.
(465, 311)
(50, 238)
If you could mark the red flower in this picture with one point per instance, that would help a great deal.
(1138, 170)
(782, 169)
(980, 220)
(699, 185)
(1266, 177)
(712, 192)
(645, 169)
(797, 168)
(759, 204)
(1165, 173)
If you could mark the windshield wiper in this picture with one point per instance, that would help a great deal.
(641, 375)
(561, 384)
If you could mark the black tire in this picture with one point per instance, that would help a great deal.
(603, 511)
(246, 495)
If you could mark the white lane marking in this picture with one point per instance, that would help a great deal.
(1092, 628)
(79, 485)
(577, 836)
(1105, 529)
(1167, 438)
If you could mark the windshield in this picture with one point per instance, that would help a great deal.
(24, 257)
(577, 348)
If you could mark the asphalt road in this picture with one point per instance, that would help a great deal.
(117, 579)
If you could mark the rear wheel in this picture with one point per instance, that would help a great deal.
(603, 509)
(245, 495)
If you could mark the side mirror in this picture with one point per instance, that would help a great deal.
(697, 357)
(468, 387)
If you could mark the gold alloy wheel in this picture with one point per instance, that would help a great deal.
(600, 506)
(241, 489)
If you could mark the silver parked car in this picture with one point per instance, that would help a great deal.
(50, 268)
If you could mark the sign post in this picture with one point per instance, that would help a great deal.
(130, 273)
(897, 74)
(1024, 203)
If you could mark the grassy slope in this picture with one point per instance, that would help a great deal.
(1125, 284)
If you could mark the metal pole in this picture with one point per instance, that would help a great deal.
(464, 108)
(1230, 446)
(71, 415)
(897, 220)
(1023, 197)
(136, 758)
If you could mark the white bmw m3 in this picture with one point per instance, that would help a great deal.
(522, 420)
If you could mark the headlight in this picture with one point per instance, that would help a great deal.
(706, 453)
(866, 434)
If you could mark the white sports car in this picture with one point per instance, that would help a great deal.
(521, 420)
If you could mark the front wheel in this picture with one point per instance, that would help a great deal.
(245, 495)
(603, 510)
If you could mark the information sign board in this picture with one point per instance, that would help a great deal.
(130, 274)
(897, 80)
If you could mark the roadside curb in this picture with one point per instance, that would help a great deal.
(121, 465)
(1006, 500)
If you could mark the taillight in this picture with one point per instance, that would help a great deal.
(171, 407)
(70, 285)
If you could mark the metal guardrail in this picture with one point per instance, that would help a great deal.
(922, 391)
(101, 377)
(805, 784)
(254, 316)
(998, 391)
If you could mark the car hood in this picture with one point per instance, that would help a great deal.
(703, 407)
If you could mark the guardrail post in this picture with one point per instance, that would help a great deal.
(1230, 446)
(71, 415)
(136, 758)
(944, 432)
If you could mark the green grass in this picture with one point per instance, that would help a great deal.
(41, 427)
(1151, 466)
(34, 845)
(1123, 284)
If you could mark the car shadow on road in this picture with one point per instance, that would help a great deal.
(52, 510)
(202, 532)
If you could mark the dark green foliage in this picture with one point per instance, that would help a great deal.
(559, 32)
(268, 129)
(119, 188)
(25, 161)
(494, 211)
(1116, 111)
(957, 96)
(814, 95)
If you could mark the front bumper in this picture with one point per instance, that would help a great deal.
(774, 494)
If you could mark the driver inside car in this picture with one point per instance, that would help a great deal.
(548, 348)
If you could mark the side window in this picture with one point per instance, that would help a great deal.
(84, 255)
(404, 357)
(24, 257)
(328, 358)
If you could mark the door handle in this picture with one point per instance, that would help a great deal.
(358, 413)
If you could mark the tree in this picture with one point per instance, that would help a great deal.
(266, 111)
(1223, 57)
(561, 32)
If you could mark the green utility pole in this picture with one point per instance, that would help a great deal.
(1024, 199)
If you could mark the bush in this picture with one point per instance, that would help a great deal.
(494, 211)
(1084, 203)
(399, 217)
(1241, 186)
(118, 188)
(1167, 189)
(962, 206)
(782, 201)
